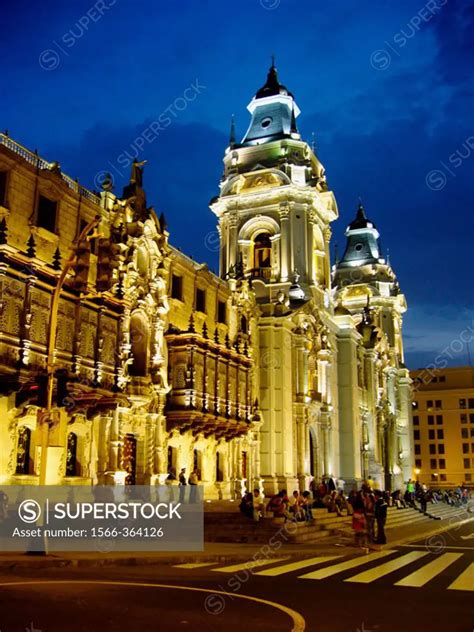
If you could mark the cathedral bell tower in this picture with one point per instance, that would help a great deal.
(274, 206)
(365, 286)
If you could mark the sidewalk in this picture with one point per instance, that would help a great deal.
(223, 552)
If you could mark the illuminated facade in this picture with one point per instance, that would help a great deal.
(443, 426)
(280, 369)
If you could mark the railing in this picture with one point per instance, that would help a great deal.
(40, 163)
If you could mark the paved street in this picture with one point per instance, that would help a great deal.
(420, 585)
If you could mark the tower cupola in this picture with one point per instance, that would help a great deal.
(273, 111)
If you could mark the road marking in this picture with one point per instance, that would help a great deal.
(248, 565)
(424, 574)
(299, 623)
(465, 581)
(194, 565)
(447, 546)
(322, 573)
(295, 566)
(384, 569)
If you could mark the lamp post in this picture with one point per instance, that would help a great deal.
(44, 415)
(417, 473)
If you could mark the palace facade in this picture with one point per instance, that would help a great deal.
(282, 368)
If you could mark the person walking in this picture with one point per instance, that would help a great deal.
(380, 516)
(182, 485)
(193, 481)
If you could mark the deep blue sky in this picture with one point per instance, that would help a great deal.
(386, 87)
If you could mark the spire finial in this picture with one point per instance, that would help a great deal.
(388, 256)
(232, 132)
(273, 60)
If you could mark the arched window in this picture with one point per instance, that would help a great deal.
(23, 451)
(139, 336)
(71, 455)
(262, 250)
(243, 325)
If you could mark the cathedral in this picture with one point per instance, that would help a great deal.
(123, 361)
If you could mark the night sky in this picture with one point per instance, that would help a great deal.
(386, 87)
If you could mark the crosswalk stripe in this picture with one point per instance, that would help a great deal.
(248, 565)
(194, 565)
(424, 574)
(465, 581)
(295, 566)
(384, 569)
(322, 573)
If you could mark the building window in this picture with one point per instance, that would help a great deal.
(472, 432)
(433, 464)
(467, 464)
(471, 418)
(430, 420)
(177, 287)
(417, 448)
(432, 448)
(465, 448)
(440, 433)
(439, 419)
(462, 403)
(431, 434)
(415, 405)
(46, 215)
(416, 420)
(440, 448)
(464, 433)
(442, 464)
(429, 404)
(442, 477)
(416, 435)
(201, 300)
(221, 312)
(434, 477)
(464, 419)
(3, 187)
(471, 402)
(438, 403)
(442, 378)
(468, 477)
(418, 463)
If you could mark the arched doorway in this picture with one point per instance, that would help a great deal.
(71, 455)
(313, 454)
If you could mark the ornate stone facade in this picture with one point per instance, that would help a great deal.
(279, 370)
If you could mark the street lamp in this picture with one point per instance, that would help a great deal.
(417, 473)
(45, 415)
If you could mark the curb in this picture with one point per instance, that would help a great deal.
(40, 562)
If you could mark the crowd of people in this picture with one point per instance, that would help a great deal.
(368, 507)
